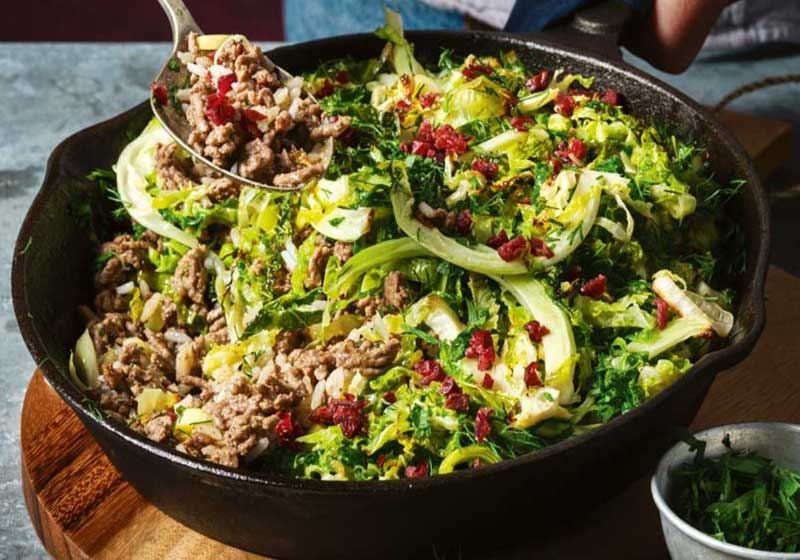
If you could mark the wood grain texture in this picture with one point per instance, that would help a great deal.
(81, 507)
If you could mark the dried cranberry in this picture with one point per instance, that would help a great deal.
(405, 147)
(577, 148)
(532, 375)
(250, 118)
(287, 429)
(322, 415)
(536, 331)
(485, 167)
(425, 132)
(464, 222)
(347, 413)
(160, 93)
(509, 102)
(538, 82)
(662, 313)
(540, 249)
(417, 471)
(450, 141)
(430, 370)
(428, 99)
(218, 109)
(403, 105)
(422, 149)
(514, 249)
(457, 401)
(482, 426)
(380, 460)
(521, 122)
(564, 104)
(172, 415)
(390, 397)
(556, 165)
(224, 83)
(611, 97)
(325, 90)
(342, 76)
(449, 386)
(481, 346)
(488, 381)
(475, 69)
(596, 287)
(498, 239)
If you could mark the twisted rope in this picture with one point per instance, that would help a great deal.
(769, 81)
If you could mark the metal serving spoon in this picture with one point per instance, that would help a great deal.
(173, 120)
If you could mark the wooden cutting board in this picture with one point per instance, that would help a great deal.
(82, 508)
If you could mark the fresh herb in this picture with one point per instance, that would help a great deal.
(741, 498)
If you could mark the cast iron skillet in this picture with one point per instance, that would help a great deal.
(296, 518)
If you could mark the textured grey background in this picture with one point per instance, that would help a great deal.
(50, 91)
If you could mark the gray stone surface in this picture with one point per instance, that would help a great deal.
(50, 91)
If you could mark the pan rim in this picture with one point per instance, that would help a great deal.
(709, 364)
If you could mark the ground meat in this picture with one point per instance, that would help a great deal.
(298, 176)
(191, 278)
(369, 305)
(174, 171)
(223, 189)
(109, 301)
(288, 340)
(330, 128)
(342, 251)
(158, 428)
(116, 404)
(395, 292)
(256, 160)
(217, 326)
(136, 367)
(221, 144)
(257, 118)
(112, 327)
(369, 358)
(128, 255)
(317, 262)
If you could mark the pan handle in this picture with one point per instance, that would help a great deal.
(596, 28)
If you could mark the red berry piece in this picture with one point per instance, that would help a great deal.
(488, 381)
(464, 222)
(498, 239)
(596, 287)
(538, 82)
(457, 401)
(536, 331)
(430, 370)
(417, 471)
(160, 93)
(521, 122)
(662, 313)
(540, 249)
(532, 378)
(482, 426)
(611, 97)
(514, 249)
(485, 167)
(564, 104)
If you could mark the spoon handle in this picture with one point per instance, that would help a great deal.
(180, 19)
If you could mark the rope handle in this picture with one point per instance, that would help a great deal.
(769, 81)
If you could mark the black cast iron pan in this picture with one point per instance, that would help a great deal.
(313, 519)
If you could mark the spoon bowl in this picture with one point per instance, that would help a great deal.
(174, 76)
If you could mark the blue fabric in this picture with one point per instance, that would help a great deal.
(313, 19)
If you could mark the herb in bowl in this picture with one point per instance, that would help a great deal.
(740, 498)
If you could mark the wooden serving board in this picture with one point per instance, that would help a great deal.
(82, 508)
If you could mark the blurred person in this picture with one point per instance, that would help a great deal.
(667, 33)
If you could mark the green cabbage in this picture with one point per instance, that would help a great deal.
(135, 162)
